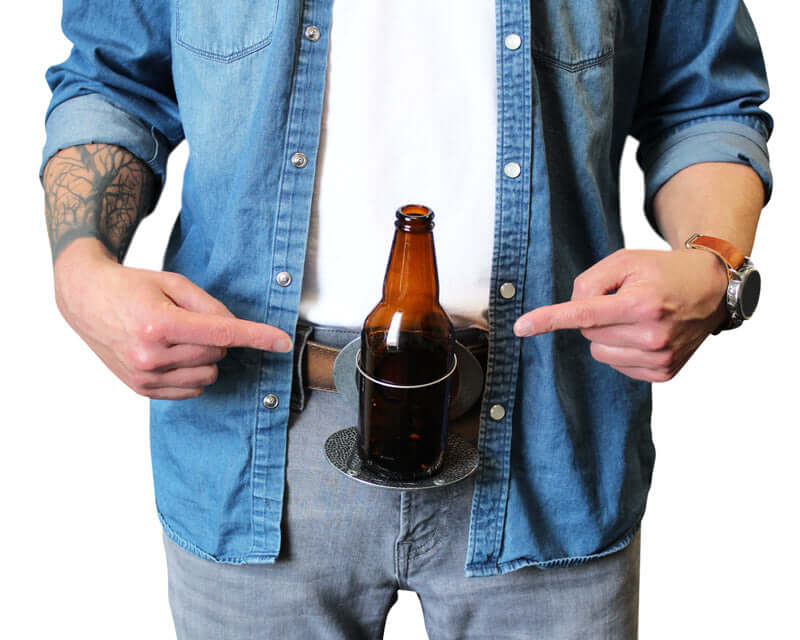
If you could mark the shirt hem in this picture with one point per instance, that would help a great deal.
(183, 543)
(478, 570)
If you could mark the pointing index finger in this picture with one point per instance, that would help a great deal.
(577, 314)
(189, 327)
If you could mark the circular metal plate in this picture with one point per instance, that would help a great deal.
(460, 462)
(344, 372)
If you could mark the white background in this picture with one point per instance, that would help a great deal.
(80, 542)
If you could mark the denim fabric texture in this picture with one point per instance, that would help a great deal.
(349, 547)
(564, 474)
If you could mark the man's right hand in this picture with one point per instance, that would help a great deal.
(157, 331)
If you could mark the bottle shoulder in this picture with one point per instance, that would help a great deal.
(387, 316)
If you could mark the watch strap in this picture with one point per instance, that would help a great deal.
(730, 255)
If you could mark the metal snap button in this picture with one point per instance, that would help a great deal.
(513, 41)
(284, 278)
(497, 412)
(512, 170)
(299, 160)
(271, 401)
(507, 290)
(312, 33)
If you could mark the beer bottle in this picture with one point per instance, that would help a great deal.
(407, 345)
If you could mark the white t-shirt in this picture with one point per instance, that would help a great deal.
(410, 117)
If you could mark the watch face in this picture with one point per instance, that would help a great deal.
(750, 290)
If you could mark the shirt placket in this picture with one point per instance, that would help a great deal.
(282, 296)
(512, 210)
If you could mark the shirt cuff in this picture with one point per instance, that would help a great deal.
(717, 140)
(92, 118)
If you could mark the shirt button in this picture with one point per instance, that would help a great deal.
(284, 278)
(497, 412)
(513, 41)
(512, 169)
(299, 160)
(270, 401)
(312, 33)
(507, 290)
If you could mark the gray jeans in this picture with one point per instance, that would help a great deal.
(348, 547)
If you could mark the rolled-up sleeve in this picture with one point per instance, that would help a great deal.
(703, 82)
(116, 85)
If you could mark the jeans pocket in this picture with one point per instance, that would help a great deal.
(574, 35)
(224, 31)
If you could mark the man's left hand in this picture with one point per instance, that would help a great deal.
(665, 303)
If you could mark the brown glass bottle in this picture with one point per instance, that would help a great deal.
(407, 339)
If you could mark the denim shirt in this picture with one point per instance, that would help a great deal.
(566, 453)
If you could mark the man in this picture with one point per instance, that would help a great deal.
(509, 120)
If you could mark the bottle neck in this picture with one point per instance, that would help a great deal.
(411, 272)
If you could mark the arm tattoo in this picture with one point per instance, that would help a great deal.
(99, 191)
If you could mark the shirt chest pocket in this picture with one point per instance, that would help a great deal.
(573, 35)
(224, 31)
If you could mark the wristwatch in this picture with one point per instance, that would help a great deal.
(744, 281)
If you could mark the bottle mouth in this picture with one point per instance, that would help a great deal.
(414, 217)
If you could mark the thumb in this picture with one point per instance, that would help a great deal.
(189, 296)
(603, 277)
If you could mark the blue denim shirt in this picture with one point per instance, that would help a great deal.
(564, 473)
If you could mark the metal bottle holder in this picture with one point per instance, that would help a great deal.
(342, 447)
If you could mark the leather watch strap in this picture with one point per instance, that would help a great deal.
(727, 252)
(732, 258)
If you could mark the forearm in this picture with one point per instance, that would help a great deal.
(715, 198)
(97, 191)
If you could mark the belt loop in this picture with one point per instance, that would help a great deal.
(302, 333)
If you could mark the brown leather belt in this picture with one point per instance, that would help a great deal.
(318, 366)
(318, 362)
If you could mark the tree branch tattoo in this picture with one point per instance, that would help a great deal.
(96, 191)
